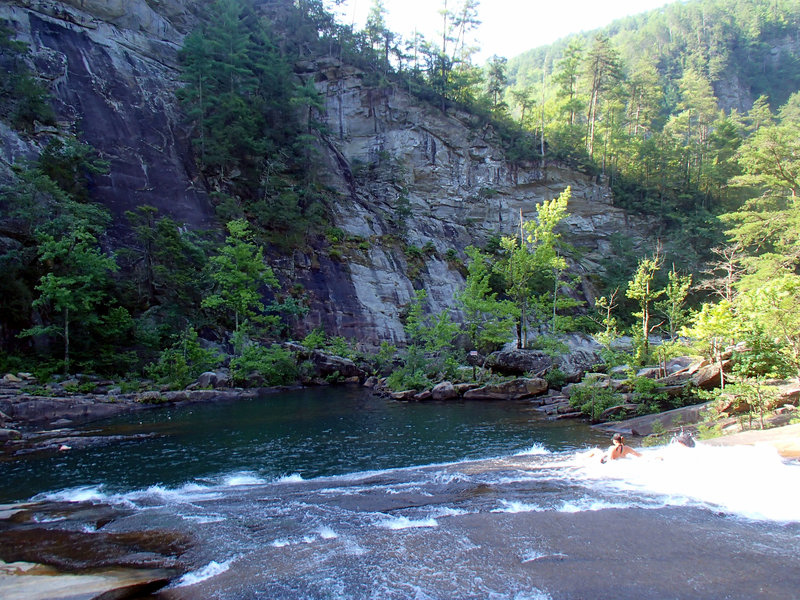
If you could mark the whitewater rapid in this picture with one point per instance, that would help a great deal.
(511, 527)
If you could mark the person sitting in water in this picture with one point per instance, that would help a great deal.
(618, 449)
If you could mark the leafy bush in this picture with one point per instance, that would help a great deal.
(555, 378)
(763, 357)
(183, 362)
(592, 398)
(276, 365)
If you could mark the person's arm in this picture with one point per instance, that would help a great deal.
(628, 450)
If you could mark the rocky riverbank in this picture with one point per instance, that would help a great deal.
(36, 418)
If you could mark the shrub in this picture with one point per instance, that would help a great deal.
(592, 399)
(276, 365)
(183, 362)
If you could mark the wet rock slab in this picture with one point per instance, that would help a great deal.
(60, 550)
(28, 581)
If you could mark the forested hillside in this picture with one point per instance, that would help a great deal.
(389, 189)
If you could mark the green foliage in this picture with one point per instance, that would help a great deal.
(183, 362)
(672, 307)
(556, 378)
(274, 364)
(239, 272)
(23, 99)
(488, 320)
(532, 265)
(641, 288)
(242, 103)
(430, 355)
(337, 345)
(167, 268)
(73, 287)
(761, 357)
(649, 395)
(593, 397)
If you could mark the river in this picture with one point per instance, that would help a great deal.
(334, 493)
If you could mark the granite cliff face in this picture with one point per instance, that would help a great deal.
(408, 175)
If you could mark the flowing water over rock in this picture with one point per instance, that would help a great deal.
(492, 504)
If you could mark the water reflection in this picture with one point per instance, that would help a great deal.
(313, 432)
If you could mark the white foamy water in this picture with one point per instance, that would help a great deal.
(212, 569)
(748, 481)
(406, 523)
(242, 478)
(514, 506)
(534, 450)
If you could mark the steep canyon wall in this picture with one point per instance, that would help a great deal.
(407, 174)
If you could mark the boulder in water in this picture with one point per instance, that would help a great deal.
(444, 391)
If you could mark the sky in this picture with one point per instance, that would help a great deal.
(509, 27)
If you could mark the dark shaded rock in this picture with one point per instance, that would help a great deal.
(463, 388)
(519, 362)
(516, 389)
(151, 397)
(9, 434)
(37, 410)
(423, 395)
(327, 365)
(212, 379)
(708, 376)
(617, 411)
(74, 550)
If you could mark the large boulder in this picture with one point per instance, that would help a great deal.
(516, 389)
(643, 425)
(328, 364)
(518, 361)
(709, 376)
(444, 391)
(212, 379)
(582, 356)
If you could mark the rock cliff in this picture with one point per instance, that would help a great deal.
(408, 175)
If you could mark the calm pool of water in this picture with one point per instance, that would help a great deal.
(311, 433)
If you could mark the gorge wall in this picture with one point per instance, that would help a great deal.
(407, 174)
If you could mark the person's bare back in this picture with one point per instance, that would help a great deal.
(618, 449)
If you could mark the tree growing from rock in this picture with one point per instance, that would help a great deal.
(533, 263)
(239, 274)
(642, 289)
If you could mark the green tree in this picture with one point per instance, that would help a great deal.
(488, 320)
(532, 264)
(73, 286)
(673, 306)
(567, 78)
(239, 273)
(642, 289)
(496, 79)
(603, 70)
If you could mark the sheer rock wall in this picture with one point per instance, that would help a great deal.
(112, 67)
